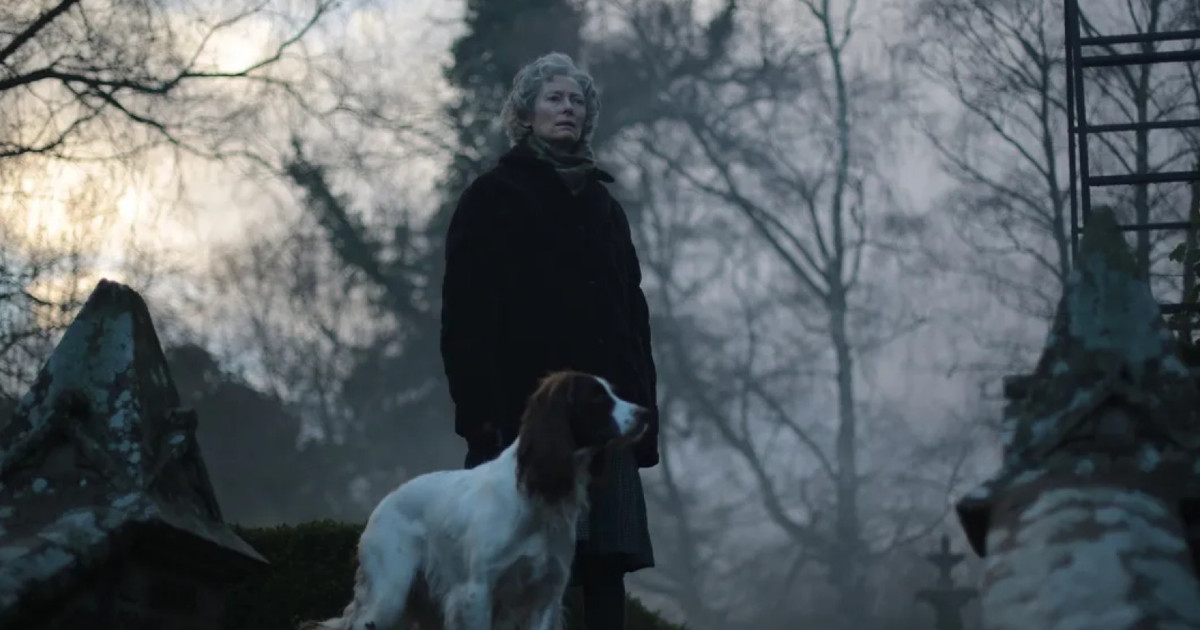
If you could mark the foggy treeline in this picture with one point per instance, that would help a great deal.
(852, 219)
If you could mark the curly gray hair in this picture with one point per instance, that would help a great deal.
(518, 106)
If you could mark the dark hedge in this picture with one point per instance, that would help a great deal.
(312, 575)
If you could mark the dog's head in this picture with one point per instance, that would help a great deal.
(569, 421)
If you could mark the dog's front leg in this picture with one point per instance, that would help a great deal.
(548, 616)
(469, 607)
(548, 609)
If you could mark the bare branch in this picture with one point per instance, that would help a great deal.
(33, 29)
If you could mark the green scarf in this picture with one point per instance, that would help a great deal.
(575, 168)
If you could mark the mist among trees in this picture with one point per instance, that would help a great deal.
(852, 219)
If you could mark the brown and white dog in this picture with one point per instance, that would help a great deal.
(491, 547)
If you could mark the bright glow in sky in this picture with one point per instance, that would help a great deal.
(237, 47)
(401, 42)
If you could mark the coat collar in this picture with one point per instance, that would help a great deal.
(522, 156)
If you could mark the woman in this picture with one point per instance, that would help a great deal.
(541, 274)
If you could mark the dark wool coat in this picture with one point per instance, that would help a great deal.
(538, 279)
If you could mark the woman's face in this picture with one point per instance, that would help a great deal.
(558, 112)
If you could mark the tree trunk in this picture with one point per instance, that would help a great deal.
(846, 570)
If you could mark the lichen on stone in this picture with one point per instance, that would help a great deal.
(1073, 560)
(126, 500)
(1028, 476)
(105, 392)
(14, 575)
(1148, 458)
(11, 553)
(1081, 528)
(978, 492)
(1108, 339)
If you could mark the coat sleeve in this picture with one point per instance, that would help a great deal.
(470, 313)
(646, 449)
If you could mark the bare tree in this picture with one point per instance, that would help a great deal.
(1144, 93)
(285, 298)
(784, 135)
(44, 258)
(94, 93)
(693, 525)
(92, 80)
(1002, 64)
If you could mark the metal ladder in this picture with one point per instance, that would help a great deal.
(1082, 181)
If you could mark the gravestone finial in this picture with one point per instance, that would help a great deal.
(108, 381)
(1108, 339)
(1107, 344)
(100, 448)
(1100, 464)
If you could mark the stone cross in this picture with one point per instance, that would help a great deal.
(1090, 521)
(946, 599)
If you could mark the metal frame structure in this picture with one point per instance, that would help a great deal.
(1082, 181)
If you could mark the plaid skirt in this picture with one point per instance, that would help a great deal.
(615, 527)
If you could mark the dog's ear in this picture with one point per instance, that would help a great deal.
(546, 449)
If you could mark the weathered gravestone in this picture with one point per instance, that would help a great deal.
(1091, 521)
(107, 516)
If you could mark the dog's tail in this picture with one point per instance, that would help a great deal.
(346, 621)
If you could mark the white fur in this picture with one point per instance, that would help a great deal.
(624, 413)
(490, 555)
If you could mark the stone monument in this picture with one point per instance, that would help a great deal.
(1091, 521)
(107, 516)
